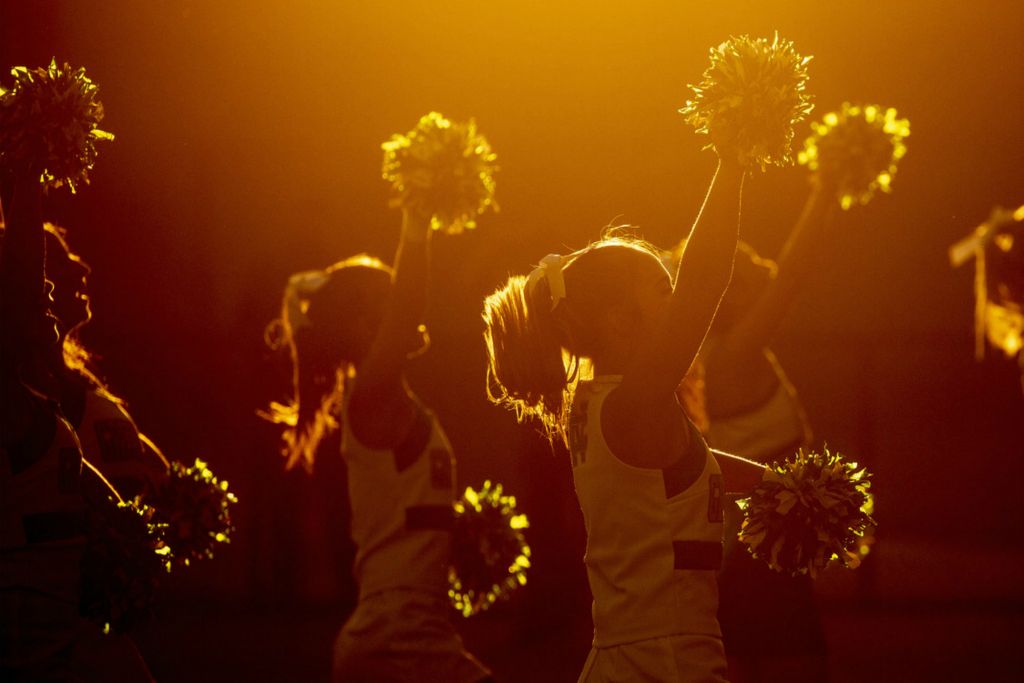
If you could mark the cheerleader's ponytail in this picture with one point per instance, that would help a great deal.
(528, 368)
(304, 420)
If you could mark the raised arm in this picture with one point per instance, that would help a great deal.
(800, 256)
(703, 274)
(23, 300)
(25, 328)
(381, 410)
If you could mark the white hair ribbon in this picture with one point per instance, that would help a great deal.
(550, 268)
(300, 287)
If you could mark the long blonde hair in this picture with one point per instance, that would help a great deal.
(538, 352)
(321, 359)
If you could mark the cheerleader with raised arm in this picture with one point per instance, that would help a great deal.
(42, 509)
(351, 329)
(650, 490)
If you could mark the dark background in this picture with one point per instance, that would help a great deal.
(248, 148)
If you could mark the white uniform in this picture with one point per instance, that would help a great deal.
(654, 545)
(401, 524)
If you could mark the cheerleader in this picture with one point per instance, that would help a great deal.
(41, 504)
(110, 439)
(350, 329)
(116, 454)
(650, 491)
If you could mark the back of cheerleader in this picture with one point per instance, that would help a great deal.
(401, 520)
(654, 545)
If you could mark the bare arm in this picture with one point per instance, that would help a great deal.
(381, 410)
(703, 274)
(641, 419)
(23, 312)
(800, 255)
(739, 474)
(23, 301)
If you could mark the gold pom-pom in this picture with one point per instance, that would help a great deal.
(48, 120)
(811, 510)
(443, 169)
(856, 150)
(126, 559)
(194, 505)
(751, 97)
(489, 552)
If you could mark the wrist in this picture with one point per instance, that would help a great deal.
(729, 170)
(415, 226)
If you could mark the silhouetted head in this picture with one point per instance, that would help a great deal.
(598, 303)
(67, 273)
(329, 321)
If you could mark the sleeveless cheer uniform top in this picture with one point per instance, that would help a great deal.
(110, 441)
(653, 547)
(402, 509)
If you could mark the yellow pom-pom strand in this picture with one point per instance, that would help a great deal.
(856, 150)
(490, 556)
(750, 98)
(443, 169)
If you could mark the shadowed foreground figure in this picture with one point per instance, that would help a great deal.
(44, 490)
(111, 441)
(350, 329)
(41, 506)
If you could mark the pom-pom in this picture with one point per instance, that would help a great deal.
(193, 504)
(442, 169)
(48, 120)
(489, 552)
(856, 150)
(750, 98)
(124, 562)
(808, 511)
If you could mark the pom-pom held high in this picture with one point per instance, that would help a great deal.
(855, 150)
(750, 98)
(442, 169)
(48, 122)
